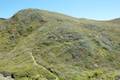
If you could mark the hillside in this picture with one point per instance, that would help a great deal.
(41, 45)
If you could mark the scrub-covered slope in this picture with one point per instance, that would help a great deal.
(42, 45)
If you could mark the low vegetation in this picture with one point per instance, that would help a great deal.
(41, 45)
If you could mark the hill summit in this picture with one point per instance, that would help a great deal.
(41, 45)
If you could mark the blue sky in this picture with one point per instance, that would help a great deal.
(93, 9)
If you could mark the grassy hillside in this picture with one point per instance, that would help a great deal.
(41, 45)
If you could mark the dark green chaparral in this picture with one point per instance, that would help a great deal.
(41, 45)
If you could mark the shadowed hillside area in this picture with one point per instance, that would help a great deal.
(41, 45)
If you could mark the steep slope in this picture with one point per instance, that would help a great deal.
(42, 45)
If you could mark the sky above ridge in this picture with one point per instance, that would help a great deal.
(92, 9)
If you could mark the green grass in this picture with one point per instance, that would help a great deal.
(41, 45)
